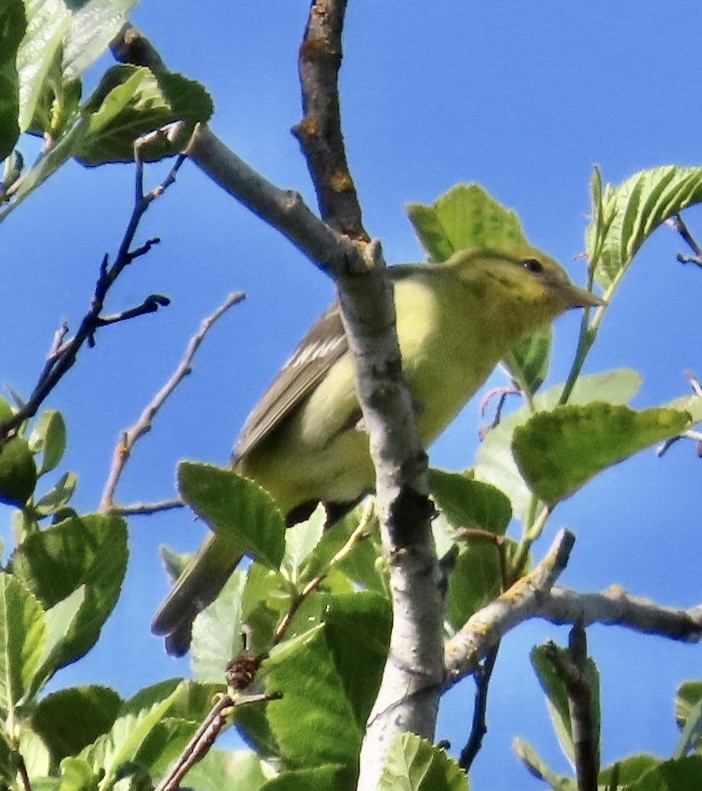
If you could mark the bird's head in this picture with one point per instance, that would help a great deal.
(520, 280)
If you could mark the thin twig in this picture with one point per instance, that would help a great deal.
(319, 132)
(359, 533)
(479, 726)
(676, 222)
(63, 352)
(145, 509)
(483, 673)
(143, 425)
(611, 607)
(219, 716)
(571, 666)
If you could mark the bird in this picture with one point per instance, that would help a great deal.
(305, 441)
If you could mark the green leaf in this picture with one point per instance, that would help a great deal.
(22, 640)
(131, 101)
(77, 775)
(13, 24)
(475, 580)
(47, 23)
(37, 759)
(300, 541)
(557, 697)
(131, 737)
(45, 167)
(93, 26)
(688, 695)
(58, 497)
(48, 437)
(240, 511)
(620, 774)
(357, 628)
(413, 763)
(688, 715)
(221, 769)
(678, 775)
(559, 451)
(71, 719)
(494, 461)
(633, 210)
(466, 502)
(217, 632)
(320, 778)
(88, 551)
(312, 703)
(18, 473)
(528, 361)
(538, 767)
(59, 620)
(464, 217)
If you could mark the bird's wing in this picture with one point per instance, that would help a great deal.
(321, 347)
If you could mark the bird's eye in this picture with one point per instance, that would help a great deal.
(533, 265)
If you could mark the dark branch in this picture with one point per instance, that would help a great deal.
(676, 222)
(63, 353)
(571, 666)
(319, 132)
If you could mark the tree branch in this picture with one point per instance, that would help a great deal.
(410, 689)
(319, 132)
(63, 352)
(571, 666)
(534, 597)
(130, 436)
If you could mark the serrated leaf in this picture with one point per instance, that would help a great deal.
(415, 764)
(131, 101)
(217, 632)
(468, 503)
(240, 511)
(129, 736)
(320, 778)
(45, 167)
(557, 697)
(475, 580)
(688, 695)
(47, 23)
(58, 496)
(312, 703)
(300, 541)
(18, 472)
(634, 209)
(71, 719)
(688, 715)
(494, 461)
(37, 760)
(621, 773)
(538, 767)
(93, 26)
(557, 452)
(22, 639)
(357, 628)
(48, 437)
(527, 362)
(221, 769)
(677, 775)
(13, 24)
(464, 217)
(77, 775)
(59, 620)
(89, 551)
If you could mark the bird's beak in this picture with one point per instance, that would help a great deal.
(581, 298)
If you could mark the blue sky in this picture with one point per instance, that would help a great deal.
(525, 99)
